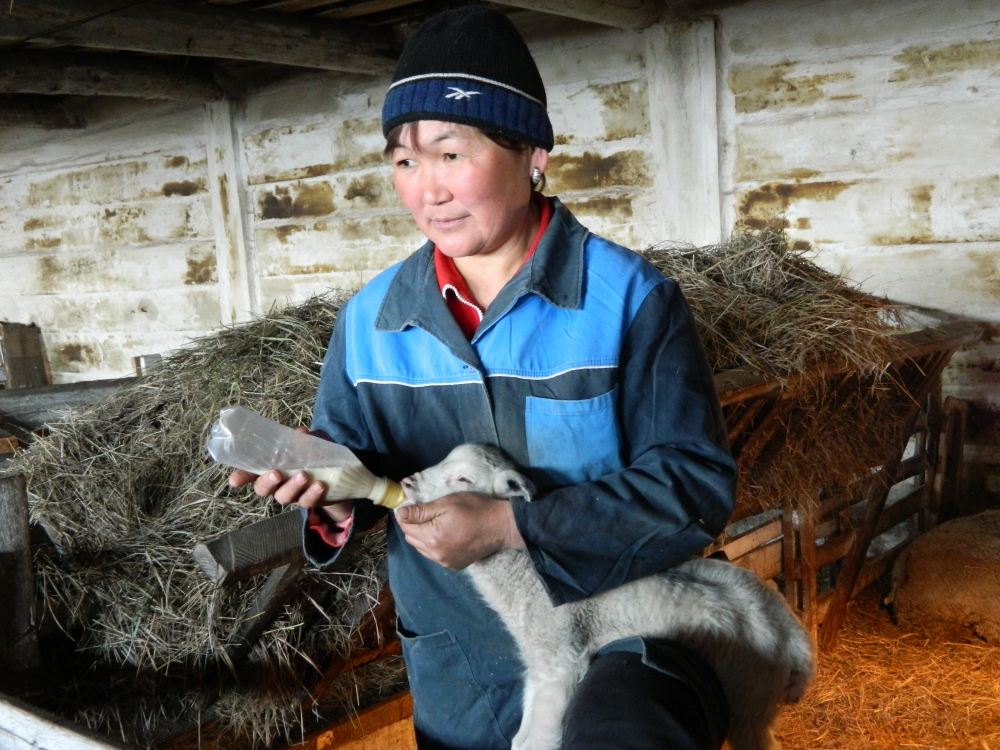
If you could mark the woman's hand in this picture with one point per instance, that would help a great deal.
(460, 529)
(295, 489)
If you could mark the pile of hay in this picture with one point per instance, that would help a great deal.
(128, 491)
(760, 304)
(883, 688)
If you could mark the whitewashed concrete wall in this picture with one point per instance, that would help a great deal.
(873, 129)
(106, 238)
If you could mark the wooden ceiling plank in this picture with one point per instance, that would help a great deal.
(37, 112)
(204, 31)
(59, 73)
(364, 8)
(298, 6)
(622, 14)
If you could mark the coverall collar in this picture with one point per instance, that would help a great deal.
(554, 272)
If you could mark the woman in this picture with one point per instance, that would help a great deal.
(515, 326)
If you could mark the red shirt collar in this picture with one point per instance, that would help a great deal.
(463, 306)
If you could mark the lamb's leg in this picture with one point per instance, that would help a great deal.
(546, 697)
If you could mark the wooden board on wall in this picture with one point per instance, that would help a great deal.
(22, 356)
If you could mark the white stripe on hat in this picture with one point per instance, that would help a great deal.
(469, 77)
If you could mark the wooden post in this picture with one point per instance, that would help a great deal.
(949, 478)
(18, 640)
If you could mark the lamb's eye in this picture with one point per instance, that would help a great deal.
(465, 480)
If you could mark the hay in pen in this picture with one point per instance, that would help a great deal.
(884, 688)
(127, 490)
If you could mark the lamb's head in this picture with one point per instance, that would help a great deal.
(469, 468)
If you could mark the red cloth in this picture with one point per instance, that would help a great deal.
(468, 313)
(333, 534)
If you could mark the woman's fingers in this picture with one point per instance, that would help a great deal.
(239, 478)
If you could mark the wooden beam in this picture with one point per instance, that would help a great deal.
(19, 654)
(37, 112)
(24, 727)
(56, 73)
(34, 408)
(622, 14)
(192, 30)
(363, 8)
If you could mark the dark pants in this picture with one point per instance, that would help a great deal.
(653, 695)
(665, 699)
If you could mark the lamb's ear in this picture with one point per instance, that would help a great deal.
(513, 486)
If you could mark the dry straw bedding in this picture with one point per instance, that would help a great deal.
(884, 689)
(128, 491)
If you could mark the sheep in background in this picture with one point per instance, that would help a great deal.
(759, 651)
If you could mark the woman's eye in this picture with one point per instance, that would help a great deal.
(450, 157)
(404, 163)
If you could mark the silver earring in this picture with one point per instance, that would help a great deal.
(536, 176)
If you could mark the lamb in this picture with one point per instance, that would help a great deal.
(759, 651)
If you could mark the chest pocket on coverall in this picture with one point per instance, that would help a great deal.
(573, 441)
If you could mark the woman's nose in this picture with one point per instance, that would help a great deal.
(434, 190)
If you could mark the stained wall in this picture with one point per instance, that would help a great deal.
(873, 131)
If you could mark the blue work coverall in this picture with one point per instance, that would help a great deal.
(588, 371)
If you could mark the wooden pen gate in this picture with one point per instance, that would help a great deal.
(816, 542)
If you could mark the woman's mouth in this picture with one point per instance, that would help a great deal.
(447, 223)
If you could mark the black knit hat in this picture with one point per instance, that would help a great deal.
(470, 66)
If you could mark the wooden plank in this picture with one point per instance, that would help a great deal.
(878, 566)
(58, 73)
(764, 561)
(254, 549)
(24, 727)
(682, 71)
(23, 355)
(622, 14)
(949, 479)
(805, 528)
(195, 30)
(37, 111)
(912, 466)
(18, 641)
(386, 726)
(33, 408)
(239, 285)
(751, 540)
(899, 511)
(363, 8)
(834, 549)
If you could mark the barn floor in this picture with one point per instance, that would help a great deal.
(884, 688)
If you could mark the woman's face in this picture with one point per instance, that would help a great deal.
(468, 195)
